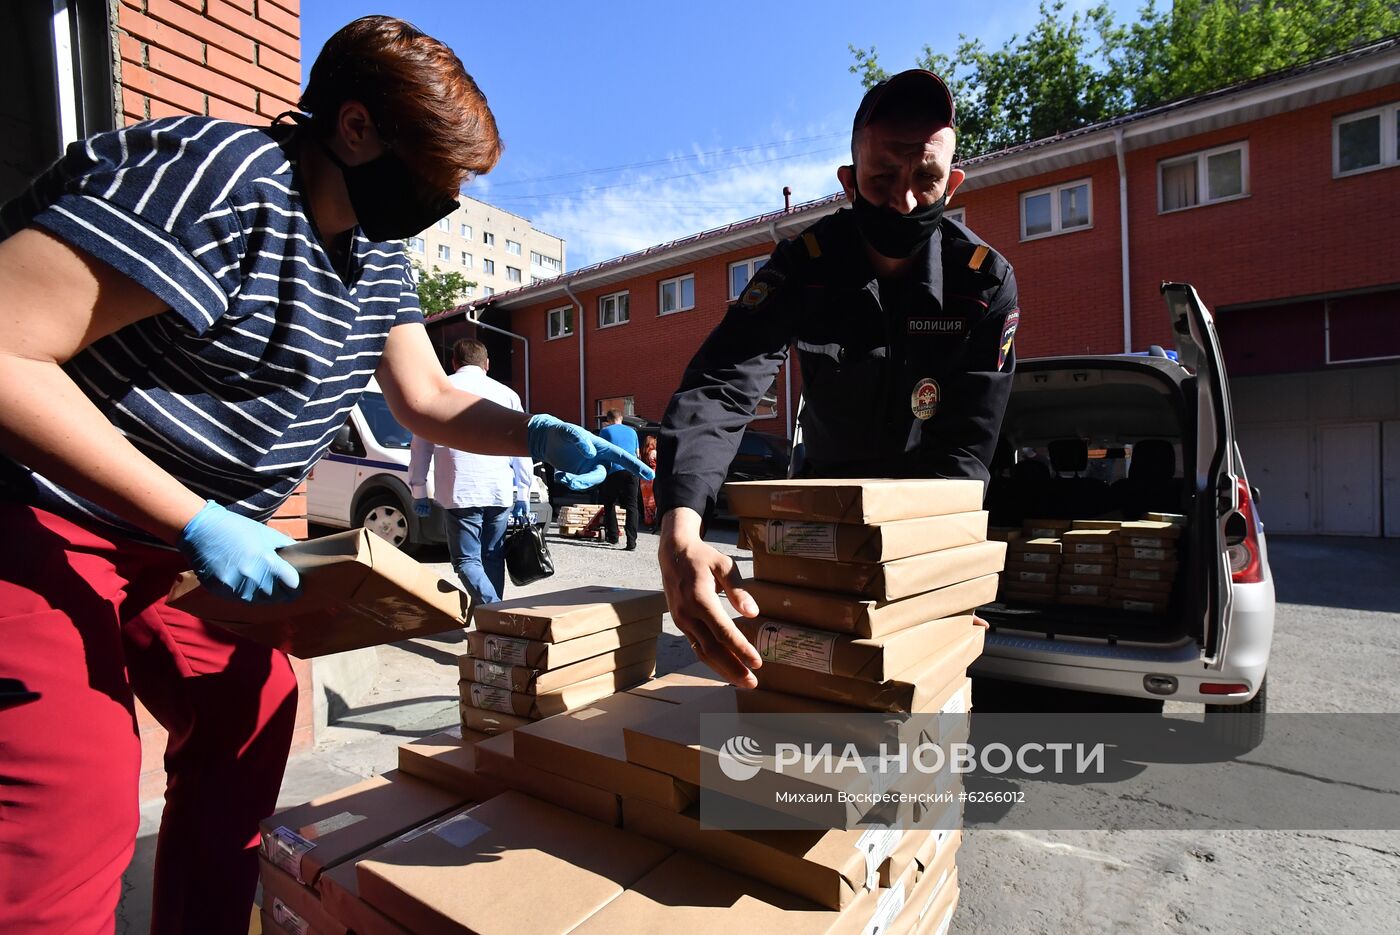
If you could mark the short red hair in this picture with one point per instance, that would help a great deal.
(417, 92)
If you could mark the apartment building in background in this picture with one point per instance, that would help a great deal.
(493, 248)
(1277, 198)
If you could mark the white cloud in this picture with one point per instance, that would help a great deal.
(638, 209)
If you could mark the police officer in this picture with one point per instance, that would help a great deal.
(904, 323)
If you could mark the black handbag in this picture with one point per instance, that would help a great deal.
(527, 554)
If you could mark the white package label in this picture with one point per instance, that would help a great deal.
(796, 646)
(806, 540)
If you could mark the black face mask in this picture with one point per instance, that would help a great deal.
(896, 235)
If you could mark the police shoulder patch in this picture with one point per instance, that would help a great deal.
(761, 287)
(1008, 336)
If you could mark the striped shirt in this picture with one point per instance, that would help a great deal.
(240, 386)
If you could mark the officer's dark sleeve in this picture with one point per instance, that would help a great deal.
(721, 387)
(965, 430)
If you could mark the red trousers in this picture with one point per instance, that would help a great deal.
(83, 624)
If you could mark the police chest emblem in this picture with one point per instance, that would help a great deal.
(934, 327)
(755, 294)
(924, 400)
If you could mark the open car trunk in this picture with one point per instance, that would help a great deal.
(1072, 429)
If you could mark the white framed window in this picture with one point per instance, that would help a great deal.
(417, 245)
(444, 224)
(545, 262)
(956, 214)
(613, 309)
(512, 247)
(466, 259)
(444, 252)
(1058, 209)
(512, 274)
(469, 290)
(559, 322)
(676, 295)
(1211, 175)
(487, 292)
(741, 272)
(488, 267)
(465, 231)
(488, 238)
(624, 404)
(1366, 140)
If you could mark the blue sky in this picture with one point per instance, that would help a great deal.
(711, 107)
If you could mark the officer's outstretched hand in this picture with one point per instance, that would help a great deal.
(691, 571)
(581, 458)
(236, 557)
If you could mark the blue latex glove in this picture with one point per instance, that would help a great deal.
(423, 506)
(581, 458)
(521, 512)
(236, 557)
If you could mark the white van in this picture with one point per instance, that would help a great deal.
(362, 480)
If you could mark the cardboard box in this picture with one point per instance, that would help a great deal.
(1147, 576)
(1148, 564)
(1171, 519)
(1143, 554)
(1159, 587)
(588, 744)
(1038, 588)
(855, 502)
(1045, 528)
(567, 615)
(1070, 589)
(1145, 597)
(531, 681)
(292, 908)
(568, 698)
(306, 839)
(356, 590)
(513, 866)
(340, 894)
(909, 690)
(1023, 549)
(491, 723)
(1157, 605)
(881, 542)
(869, 618)
(888, 582)
(936, 904)
(1089, 542)
(1004, 533)
(830, 868)
(537, 654)
(1083, 567)
(686, 896)
(1106, 581)
(684, 686)
(1022, 575)
(874, 660)
(448, 759)
(1096, 524)
(496, 760)
(954, 698)
(1158, 534)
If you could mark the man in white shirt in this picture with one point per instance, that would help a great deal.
(476, 491)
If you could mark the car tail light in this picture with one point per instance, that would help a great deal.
(1245, 566)
(1223, 688)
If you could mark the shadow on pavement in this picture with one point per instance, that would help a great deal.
(1336, 571)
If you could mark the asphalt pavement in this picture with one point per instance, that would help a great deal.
(1336, 649)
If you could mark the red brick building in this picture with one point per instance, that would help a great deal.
(1276, 198)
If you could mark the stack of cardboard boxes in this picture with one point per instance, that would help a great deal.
(580, 520)
(536, 656)
(1147, 564)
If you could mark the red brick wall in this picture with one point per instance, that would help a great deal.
(238, 60)
(644, 358)
(235, 59)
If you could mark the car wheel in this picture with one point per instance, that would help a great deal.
(386, 517)
(1239, 728)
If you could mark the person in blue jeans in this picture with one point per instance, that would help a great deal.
(479, 493)
(621, 487)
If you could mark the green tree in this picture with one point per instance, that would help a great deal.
(439, 291)
(1069, 73)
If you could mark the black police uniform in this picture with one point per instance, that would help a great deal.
(901, 378)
